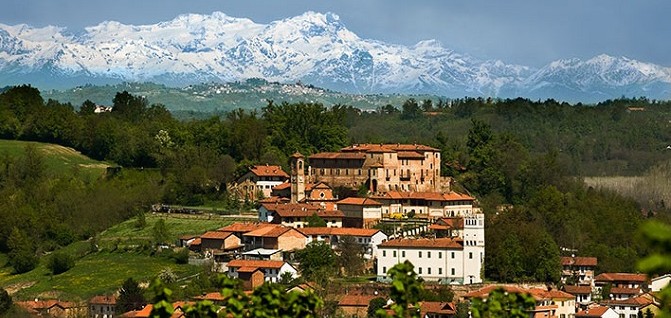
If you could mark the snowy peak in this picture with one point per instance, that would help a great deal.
(314, 48)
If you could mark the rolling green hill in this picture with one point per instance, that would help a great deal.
(57, 159)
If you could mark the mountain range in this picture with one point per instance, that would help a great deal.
(313, 48)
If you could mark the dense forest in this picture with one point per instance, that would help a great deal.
(522, 159)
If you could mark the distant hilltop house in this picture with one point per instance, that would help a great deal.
(102, 109)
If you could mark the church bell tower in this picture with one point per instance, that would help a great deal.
(297, 177)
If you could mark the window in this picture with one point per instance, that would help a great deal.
(632, 316)
(428, 254)
(420, 254)
(428, 270)
(402, 253)
(452, 254)
(453, 271)
(440, 271)
(384, 253)
(440, 254)
(470, 255)
(420, 270)
(562, 316)
(394, 253)
(384, 270)
(621, 315)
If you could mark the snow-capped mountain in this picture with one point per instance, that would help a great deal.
(313, 48)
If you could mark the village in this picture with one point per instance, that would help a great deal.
(407, 212)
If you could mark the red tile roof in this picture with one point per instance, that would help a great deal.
(242, 227)
(597, 311)
(269, 171)
(621, 277)
(274, 231)
(437, 308)
(429, 196)
(484, 292)
(451, 223)
(578, 261)
(578, 290)
(359, 201)
(255, 264)
(103, 300)
(625, 291)
(301, 210)
(196, 242)
(338, 155)
(551, 294)
(640, 301)
(424, 242)
(356, 300)
(216, 235)
(215, 296)
(387, 148)
(340, 231)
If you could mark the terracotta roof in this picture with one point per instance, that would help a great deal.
(40, 305)
(578, 261)
(451, 223)
(146, 311)
(621, 277)
(269, 171)
(484, 292)
(196, 242)
(103, 300)
(341, 231)
(597, 311)
(215, 296)
(578, 290)
(242, 227)
(430, 196)
(625, 291)
(437, 307)
(356, 300)
(387, 147)
(248, 269)
(409, 155)
(551, 294)
(273, 199)
(255, 264)
(281, 186)
(640, 301)
(297, 155)
(301, 210)
(359, 201)
(424, 242)
(338, 155)
(275, 231)
(215, 235)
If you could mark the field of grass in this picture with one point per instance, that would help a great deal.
(121, 254)
(58, 159)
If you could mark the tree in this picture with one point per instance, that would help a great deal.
(317, 261)
(60, 262)
(410, 110)
(501, 304)
(5, 301)
(374, 305)
(21, 252)
(87, 108)
(131, 296)
(160, 232)
(315, 221)
(406, 291)
(351, 256)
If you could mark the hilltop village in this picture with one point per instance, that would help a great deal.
(401, 210)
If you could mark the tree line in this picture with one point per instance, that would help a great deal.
(522, 159)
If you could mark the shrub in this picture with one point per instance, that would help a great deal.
(60, 263)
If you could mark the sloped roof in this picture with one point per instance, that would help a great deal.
(429, 196)
(242, 227)
(446, 242)
(485, 291)
(621, 277)
(387, 148)
(596, 311)
(578, 261)
(578, 290)
(437, 307)
(359, 201)
(269, 171)
(215, 235)
(340, 231)
(103, 300)
(409, 155)
(338, 155)
(255, 264)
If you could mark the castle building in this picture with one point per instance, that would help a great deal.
(379, 167)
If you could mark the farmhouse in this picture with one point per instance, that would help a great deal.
(254, 273)
(368, 238)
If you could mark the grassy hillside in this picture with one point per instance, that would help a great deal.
(58, 159)
(122, 253)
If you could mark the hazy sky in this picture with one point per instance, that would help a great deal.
(528, 32)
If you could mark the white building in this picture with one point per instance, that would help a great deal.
(448, 260)
(430, 204)
(368, 238)
(657, 283)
